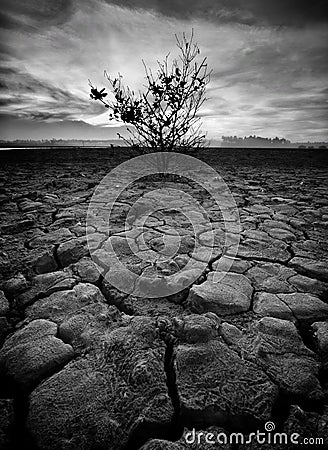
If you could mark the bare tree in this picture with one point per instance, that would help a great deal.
(165, 117)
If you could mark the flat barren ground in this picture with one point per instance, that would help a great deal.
(86, 366)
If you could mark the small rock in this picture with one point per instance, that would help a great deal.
(266, 304)
(284, 210)
(213, 238)
(226, 263)
(311, 268)
(258, 235)
(18, 227)
(64, 222)
(283, 235)
(270, 277)
(310, 285)
(54, 237)
(298, 224)
(118, 245)
(273, 250)
(95, 240)
(44, 285)
(297, 306)
(197, 328)
(27, 205)
(112, 295)
(305, 306)
(34, 352)
(84, 328)
(230, 295)
(149, 284)
(59, 305)
(45, 263)
(78, 230)
(71, 251)
(311, 250)
(230, 333)
(4, 304)
(86, 270)
(15, 286)
(258, 209)
(50, 198)
(275, 224)
(280, 328)
(321, 336)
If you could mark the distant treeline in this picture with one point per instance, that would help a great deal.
(259, 141)
(253, 141)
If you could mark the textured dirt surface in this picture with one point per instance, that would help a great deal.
(86, 366)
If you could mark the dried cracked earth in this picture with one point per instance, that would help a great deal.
(86, 366)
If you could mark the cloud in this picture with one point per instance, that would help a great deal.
(250, 12)
(48, 56)
(304, 103)
(35, 13)
(24, 95)
(44, 13)
(8, 22)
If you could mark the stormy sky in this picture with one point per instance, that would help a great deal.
(269, 62)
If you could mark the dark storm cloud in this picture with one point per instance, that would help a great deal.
(7, 21)
(35, 13)
(21, 83)
(7, 102)
(42, 13)
(46, 116)
(250, 12)
(31, 97)
(292, 12)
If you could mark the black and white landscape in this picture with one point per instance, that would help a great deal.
(145, 303)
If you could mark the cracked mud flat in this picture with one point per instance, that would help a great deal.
(85, 366)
